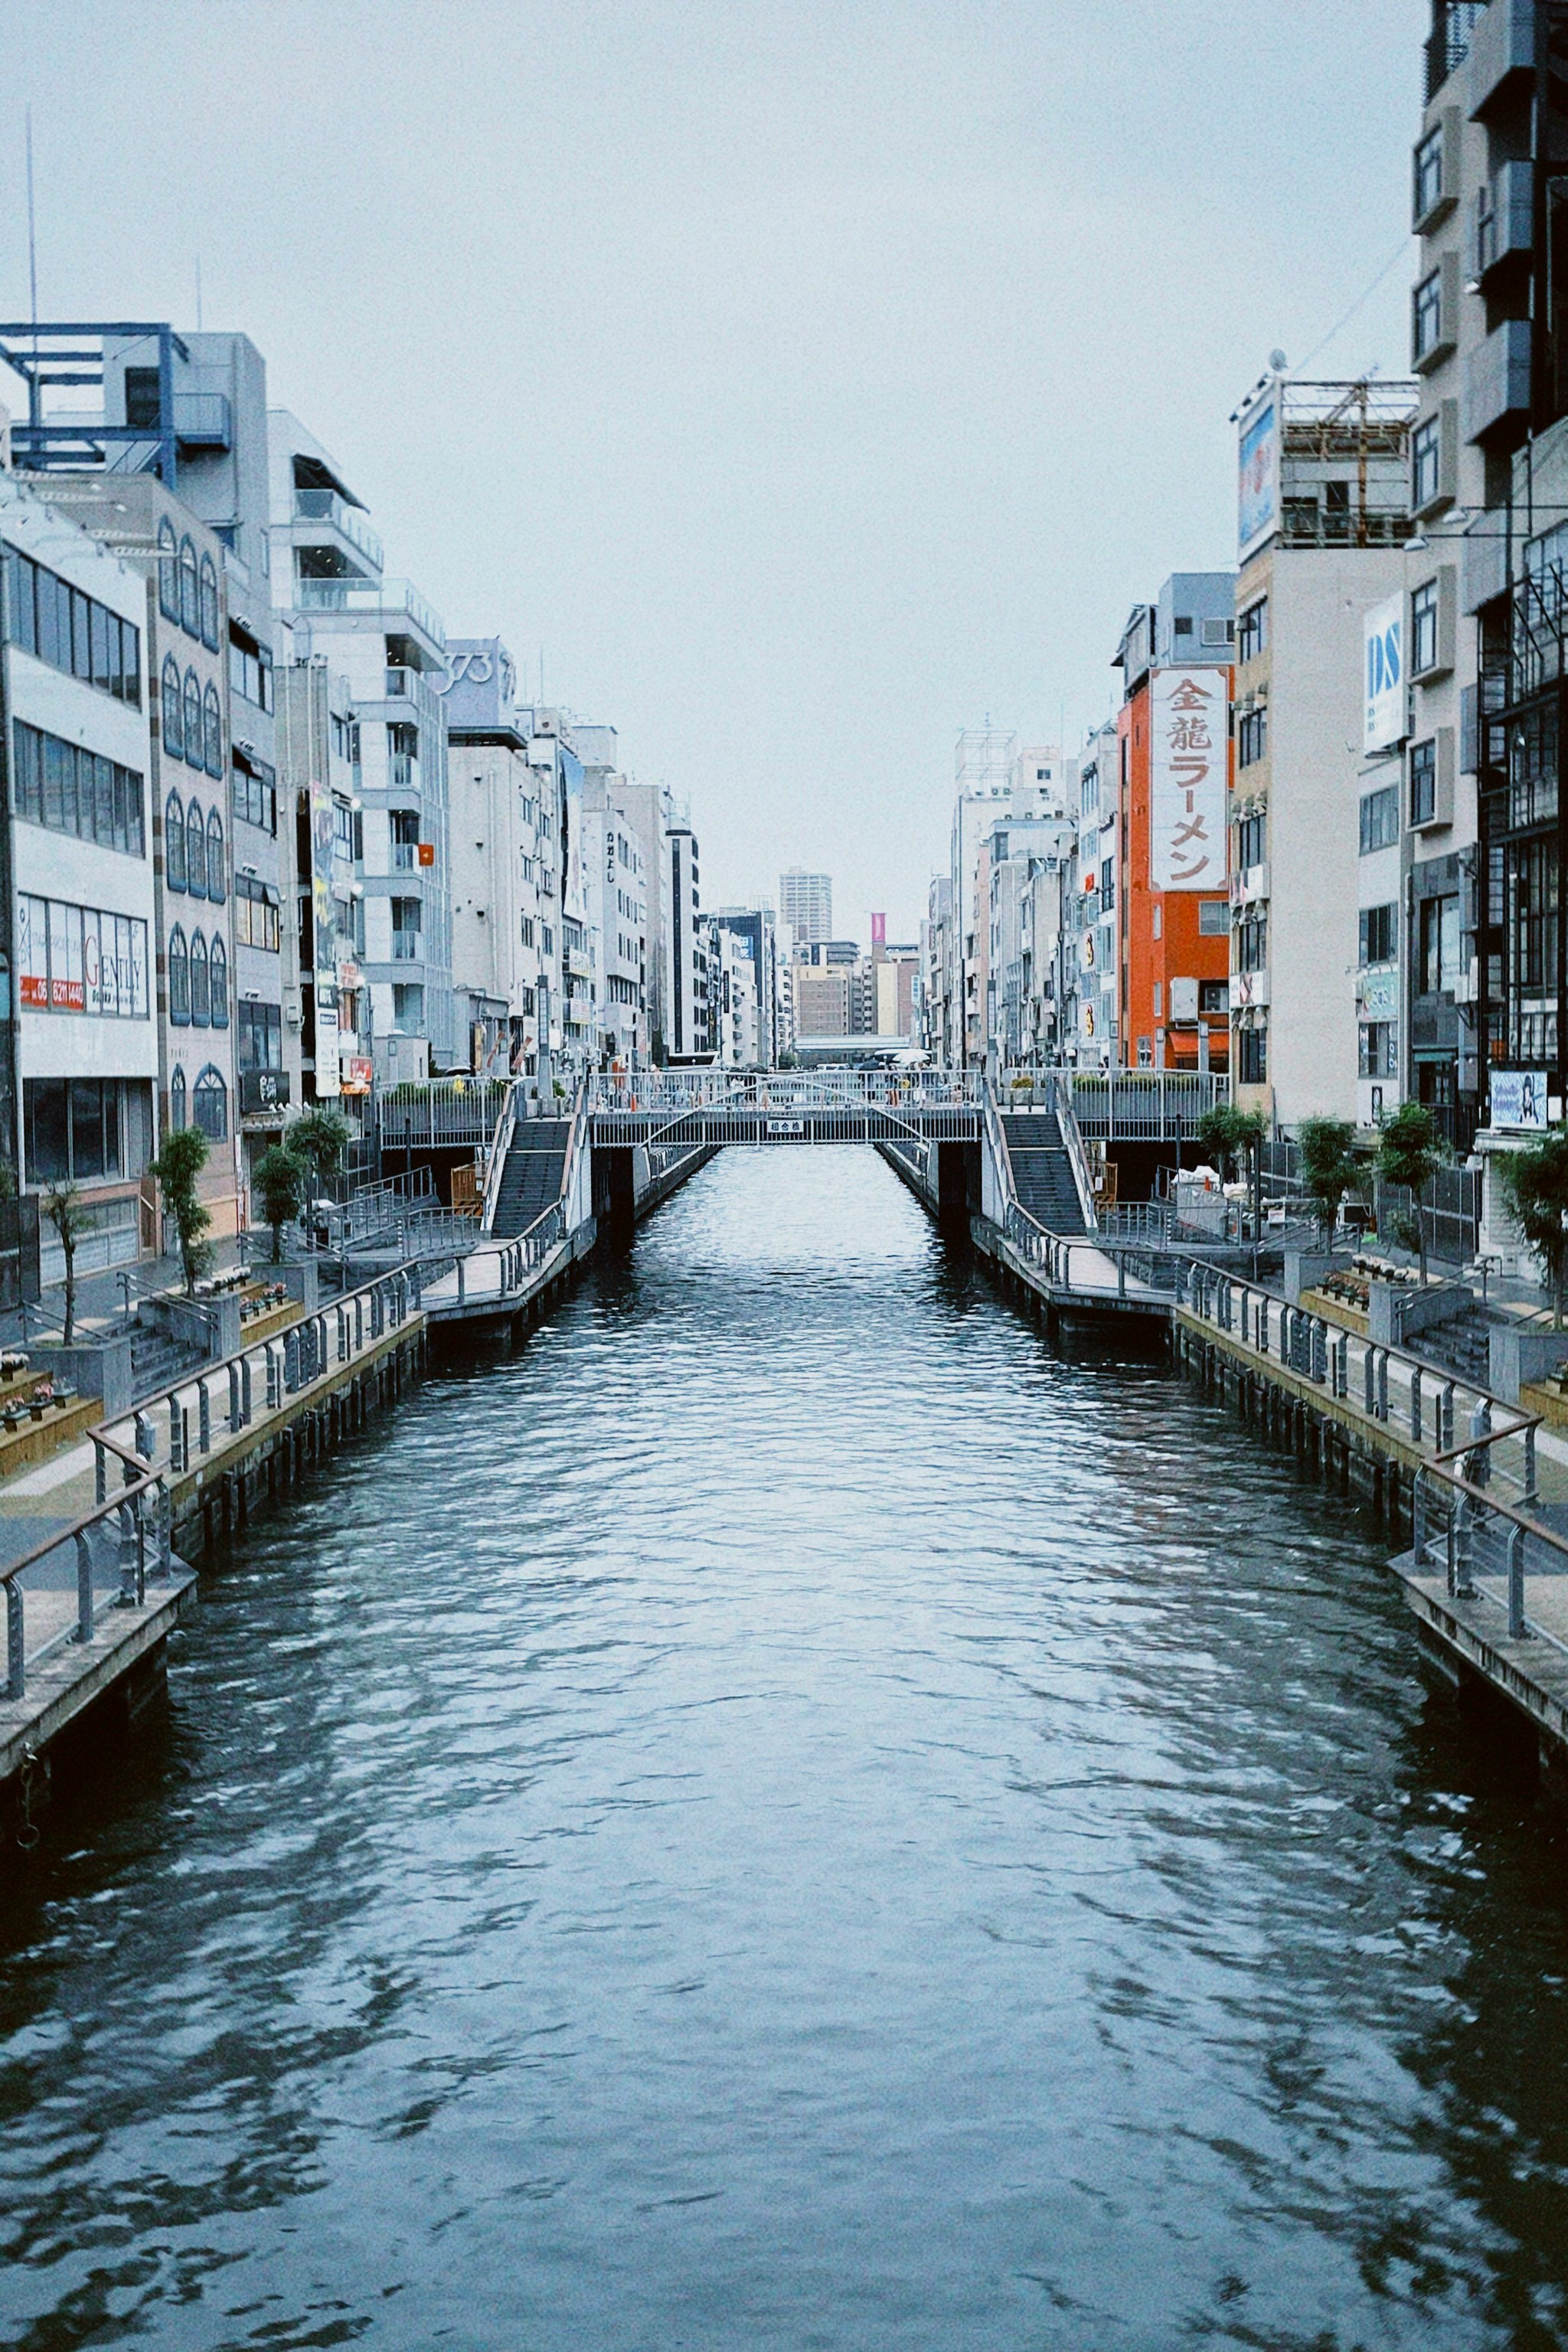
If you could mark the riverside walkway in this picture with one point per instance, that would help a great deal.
(99, 1540)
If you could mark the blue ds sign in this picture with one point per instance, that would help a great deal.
(1384, 680)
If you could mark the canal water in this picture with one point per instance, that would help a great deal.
(794, 1813)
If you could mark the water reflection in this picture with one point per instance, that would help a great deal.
(795, 1814)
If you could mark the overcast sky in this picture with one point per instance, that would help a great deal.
(807, 381)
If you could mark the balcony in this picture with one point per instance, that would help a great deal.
(403, 772)
(377, 600)
(1250, 885)
(1505, 218)
(327, 507)
(1249, 992)
(1502, 55)
(407, 947)
(1497, 386)
(405, 856)
(1450, 41)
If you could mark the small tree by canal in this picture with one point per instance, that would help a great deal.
(279, 1182)
(178, 1168)
(1409, 1154)
(67, 1212)
(1535, 1185)
(1328, 1165)
(319, 1140)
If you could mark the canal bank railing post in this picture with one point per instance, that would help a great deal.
(83, 1587)
(1516, 1624)
(1416, 1406)
(16, 1642)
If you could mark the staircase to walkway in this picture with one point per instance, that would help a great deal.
(531, 1178)
(1042, 1171)
(157, 1361)
(1462, 1346)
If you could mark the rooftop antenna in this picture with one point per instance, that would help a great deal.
(35, 399)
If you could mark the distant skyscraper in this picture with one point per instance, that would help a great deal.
(805, 901)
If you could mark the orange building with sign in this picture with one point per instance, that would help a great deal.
(1174, 911)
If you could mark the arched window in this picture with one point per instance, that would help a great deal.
(179, 983)
(211, 731)
(193, 719)
(190, 591)
(168, 571)
(177, 1097)
(217, 968)
(217, 872)
(175, 842)
(201, 988)
(196, 851)
(174, 720)
(209, 602)
(210, 1102)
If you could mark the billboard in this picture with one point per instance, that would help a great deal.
(1383, 677)
(1518, 1098)
(1189, 722)
(879, 931)
(1258, 505)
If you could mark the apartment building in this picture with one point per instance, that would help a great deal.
(806, 904)
(1173, 918)
(758, 928)
(79, 1063)
(386, 641)
(1090, 1028)
(503, 848)
(617, 898)
(686, 975)
(1323, 518)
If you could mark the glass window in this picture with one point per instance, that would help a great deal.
(104, 671)
(1379, 1049)
(258, 1036)
(190, 591)
(217, 969)
(1379, 819)
(174, 710)
(48, 1130)
(194, 754)
(1253, 1056)
(209, 602)
(1428, 172)
(27, 775)
(211, 731)
(1379, 934)
(209, 1101)
(81, 636)
(179, 980)
(87, 1139)
(168, 571)
(1426, 461)
(1252, 736)
(1427, 308)
(1250, 842)
(196, 851)
(217, 878)
(177, 1097)
(1252, 944)
(175, 842)
(1422, 782)
(1252, 631)
(1424, 628)
(200, 990)
(21, 606)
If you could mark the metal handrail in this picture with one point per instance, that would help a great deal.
(1078, 1159)
(500, 1144)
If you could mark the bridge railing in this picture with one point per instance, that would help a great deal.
(1140, 1105)
(667, 1093)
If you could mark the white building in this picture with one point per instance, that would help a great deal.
(77, 1103)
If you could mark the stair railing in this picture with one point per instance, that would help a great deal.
(500, 1144)
(1078, 1159)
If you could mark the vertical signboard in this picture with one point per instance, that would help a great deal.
(879, 931)
(1258, 502)
(1383, 631)
(324, 933)
(1189, 722)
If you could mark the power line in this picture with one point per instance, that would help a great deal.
(1364, 296)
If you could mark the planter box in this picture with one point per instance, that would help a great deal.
(1337, 1311)
(35, 1441)
(1304, 1269)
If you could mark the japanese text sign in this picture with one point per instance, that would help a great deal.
(1189, 732)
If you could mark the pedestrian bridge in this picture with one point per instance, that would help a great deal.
(1008, 1161)
(681, 1109)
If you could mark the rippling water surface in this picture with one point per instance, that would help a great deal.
(791, 1814)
